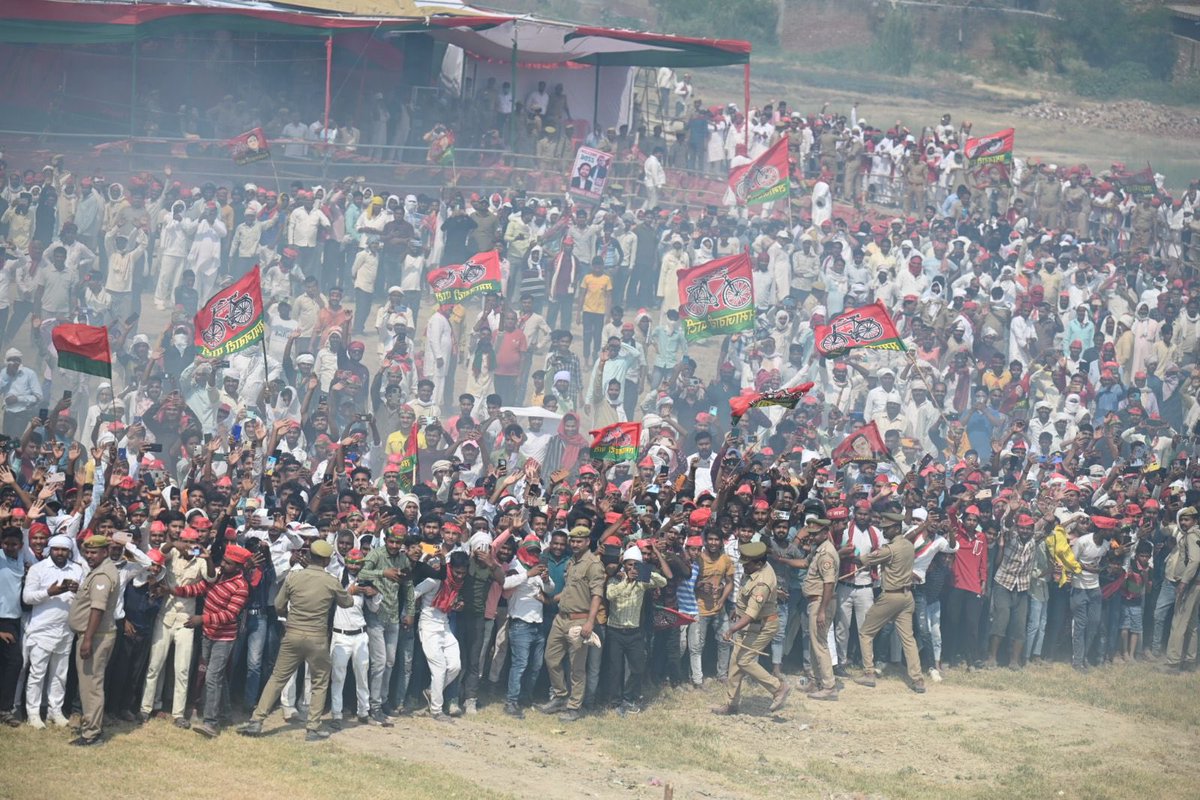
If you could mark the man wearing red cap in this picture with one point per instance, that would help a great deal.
(1010, 592)
(223, 602)
(1091, 550)
(714, 584)
(185, 567)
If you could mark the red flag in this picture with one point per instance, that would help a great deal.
(83, 348)
(862, 444)
(990, 158)
(764, 179)
(717, 297)
(866, 326)
(617, 442)
(249, 147)
(738, 406)
(480, 274)
(232, 319)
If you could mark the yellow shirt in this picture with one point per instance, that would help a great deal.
(596, 289)
(395, 443)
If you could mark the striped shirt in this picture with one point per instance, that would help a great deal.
(685, 593)
(223, 601)
(1016, 564)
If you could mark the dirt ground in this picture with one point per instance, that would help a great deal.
(1044, 732)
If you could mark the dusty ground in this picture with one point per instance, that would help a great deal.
(1041, 733)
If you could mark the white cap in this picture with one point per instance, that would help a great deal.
(632, 554)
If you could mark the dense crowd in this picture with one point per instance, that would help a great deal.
(392, 505)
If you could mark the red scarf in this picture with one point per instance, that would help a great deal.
(447, 593)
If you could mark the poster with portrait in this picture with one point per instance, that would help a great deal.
(589, 174)
(251, 146)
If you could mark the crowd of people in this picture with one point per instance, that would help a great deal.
(423, 527)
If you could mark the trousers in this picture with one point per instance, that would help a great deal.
(852, 602)
(526, 649)
(1181, 647)
(625, 655)
(1163, 607)
(558, 647)
(471, 642)
(818, 643)
(217, 656)
(11, 662)
(298, 647)
(164, 636)
(1035, 627)
(698, 633)
(444, 659)
(169, 270)
(352, 651)
(1085, 623)
(47, 659)
(382, 638)
(744, 663)
(894, 607)
(91, 684)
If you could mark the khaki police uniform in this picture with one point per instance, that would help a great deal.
(895, 604)
(758, 599)
(1181, 647)
(98, 591)
(305, 599)
(822, 570)
(584, 580)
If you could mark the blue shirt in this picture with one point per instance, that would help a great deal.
(670, 346)
(24, 386)
(685, 593)
(12, 572)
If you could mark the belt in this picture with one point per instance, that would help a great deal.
(582, 615)
(350, 633)
(901, 590)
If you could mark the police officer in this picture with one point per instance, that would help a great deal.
(758, 616)
(819, 586)
(895, 604)
(91, 617)
(305, 600)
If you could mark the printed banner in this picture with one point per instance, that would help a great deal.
(232, 319)
(617, 442)
(866, 326)
(717, 297)
(251, 146)
(589, 174)
(1139, 184)
(788, 398)
(863, 444)
(764, 179)
(479, 275)
(408, 464)
(989, 158)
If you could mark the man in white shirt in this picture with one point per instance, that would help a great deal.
(438, 345)
(529, 583)
(350, 643)
(854, 594)
(654, 177)
(437, 640)
(1090, 550)
(304, 226)
(50, 587)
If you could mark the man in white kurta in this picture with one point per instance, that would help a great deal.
(439, 342)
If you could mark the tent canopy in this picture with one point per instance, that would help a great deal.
(483, 33)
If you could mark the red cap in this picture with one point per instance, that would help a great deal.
(834, 514)
(237, 554)
(1104, 523)
(700, 516)
(156, 556)
(1024, 520)
(693, 541)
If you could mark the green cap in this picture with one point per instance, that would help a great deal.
(753, 550)
(95, 542)
(891, 518)
(820, 523)
(580, 532)
(321, 549)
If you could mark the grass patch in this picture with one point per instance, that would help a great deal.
(142, 762)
